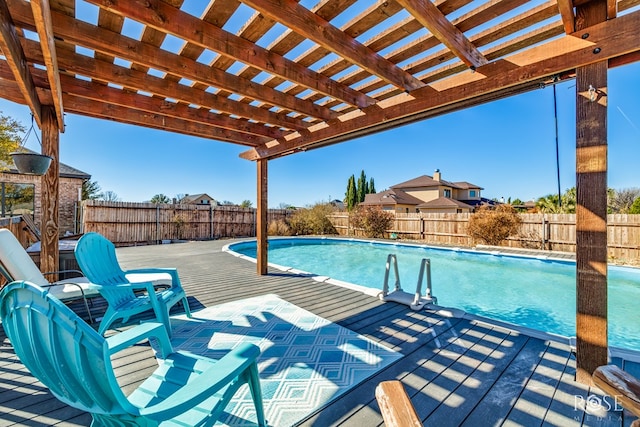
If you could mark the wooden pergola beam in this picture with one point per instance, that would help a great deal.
(602, 43)
(171, 20)
(565, 7)
(262, 216)
(310, 25)
(432, 19)
(44, 27)
(245, 130)
(91, 108)
(207, 125)
(148, 55)
(591, 205)
(612, 9)
(50, 194)
(12, 50)
(131, 78)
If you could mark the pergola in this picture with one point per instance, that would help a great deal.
(282, 76)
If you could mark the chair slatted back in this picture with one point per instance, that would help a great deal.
(60, 349)
(97, 259)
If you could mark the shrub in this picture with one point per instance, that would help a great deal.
(314, 220)
(493, 225)
(278, 228)
(372, 220)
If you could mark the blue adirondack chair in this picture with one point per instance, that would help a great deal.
(74, 362)
(96, 256)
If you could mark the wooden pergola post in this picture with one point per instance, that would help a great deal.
(261, 218)
(49, 193)
(591, 206)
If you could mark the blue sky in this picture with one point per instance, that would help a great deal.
(507, 147)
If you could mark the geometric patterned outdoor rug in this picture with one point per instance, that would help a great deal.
(305, 361)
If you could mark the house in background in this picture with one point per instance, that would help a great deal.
(429, 194)
(20, 194)
(198, 199)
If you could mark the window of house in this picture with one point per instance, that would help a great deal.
(472, 193)
(16, 199)
(447, 193)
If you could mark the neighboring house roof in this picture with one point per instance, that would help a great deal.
(422, 181)
(428, 181)
(391, 197)
(66, 171)
(464, 185)
(194, 198)
(481, 202)
(444, 202)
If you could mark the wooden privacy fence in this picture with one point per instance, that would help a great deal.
(555, 232)
(126, 223)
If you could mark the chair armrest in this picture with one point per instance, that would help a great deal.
(218, 375)
(395, 406)
(152, 270)
(619, 384)
(172, 272)
(131, 336)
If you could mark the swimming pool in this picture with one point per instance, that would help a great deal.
(537, 293)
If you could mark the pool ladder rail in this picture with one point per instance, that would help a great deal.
(415, 301)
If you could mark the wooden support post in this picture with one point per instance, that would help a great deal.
(261, 218)
(591, 206)
(49, 193)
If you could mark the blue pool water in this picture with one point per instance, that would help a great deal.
(536, 293)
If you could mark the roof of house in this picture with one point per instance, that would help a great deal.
(195, 197)
(428, 181)
(391, 197)
(481, 202)
(464, 185)
(444, 202)
(66, 171)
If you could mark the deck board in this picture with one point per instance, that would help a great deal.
(457, 371)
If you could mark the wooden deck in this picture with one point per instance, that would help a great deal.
(456, 371)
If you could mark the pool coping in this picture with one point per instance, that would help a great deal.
(624, 353)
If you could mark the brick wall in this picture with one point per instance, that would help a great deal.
(68, 196)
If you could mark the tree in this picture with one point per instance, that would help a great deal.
(10, 139)
(372, 187)
(90, 190)
(160, 198)
(362, 187)
(351, 199)
(246, 204)
(635, 206)
(492, 226)
(549, 203)
(621, 201)
(110, 196)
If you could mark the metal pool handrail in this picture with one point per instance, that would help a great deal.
(415, 301)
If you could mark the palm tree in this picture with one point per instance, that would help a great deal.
(548, 204)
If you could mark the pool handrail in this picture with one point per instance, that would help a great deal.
(415, 301)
